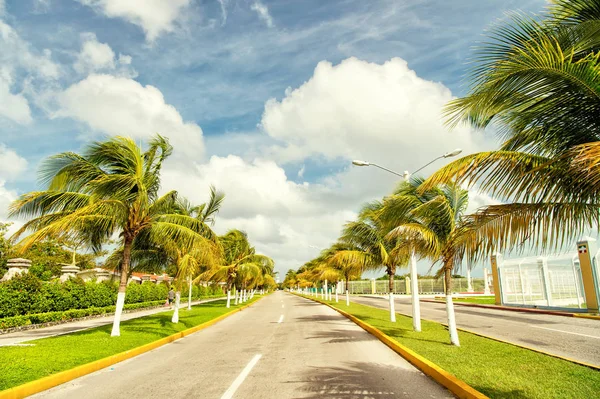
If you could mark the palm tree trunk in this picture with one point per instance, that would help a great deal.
(347, 293)
(122, 287)
(450, 305)
(392, 304)
(175, 318)
(190, 296)
(228, 299)
(337, 288)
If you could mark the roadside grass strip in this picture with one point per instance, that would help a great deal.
(485, 300)
(496, 369)
(49, 356)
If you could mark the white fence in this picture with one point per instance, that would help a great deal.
(553, 281)
(426, 286)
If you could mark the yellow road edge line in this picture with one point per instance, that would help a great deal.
(587, 316)
(42, 384)
(458, 387)
(568, 359)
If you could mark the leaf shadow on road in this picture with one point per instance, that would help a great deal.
(363, 380)
(343, 336)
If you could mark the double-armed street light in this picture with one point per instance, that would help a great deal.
(414, 284)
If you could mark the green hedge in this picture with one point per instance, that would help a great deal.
(26, 295)
(40, 318)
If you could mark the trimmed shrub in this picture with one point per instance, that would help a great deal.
(27, 294)
(40, 318)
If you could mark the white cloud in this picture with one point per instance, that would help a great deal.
(11, 164)
(285, 220)
(94, 56)
(223, 4)
(12, 106)
(379, 112)
(263, 13)
(41, 6)
(153, 16)
(17, 53)
(122, 106)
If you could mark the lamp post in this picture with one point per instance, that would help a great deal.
(414, 284)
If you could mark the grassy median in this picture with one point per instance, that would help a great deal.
(21, 364)
(496, 369)
(482, 300)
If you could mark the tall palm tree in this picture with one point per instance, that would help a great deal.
(339, 257)
(205, 213)
(538, 82)
(374, 247)
(111, 189)
(237, 252)
(436, 230)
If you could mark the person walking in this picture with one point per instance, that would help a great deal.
(171, 296)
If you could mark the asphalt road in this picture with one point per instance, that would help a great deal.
(283, 346)
(575, 338)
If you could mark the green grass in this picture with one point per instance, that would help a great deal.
(483, 300)
(19, 365)
(498, 370)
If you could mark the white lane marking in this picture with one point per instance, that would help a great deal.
(240, 378)
(280, 319)
(566, 332)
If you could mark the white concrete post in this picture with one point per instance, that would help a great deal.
(543, 265)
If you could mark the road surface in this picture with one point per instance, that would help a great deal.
(572, 337)
(283, 346)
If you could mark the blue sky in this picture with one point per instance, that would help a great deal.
(243, 90)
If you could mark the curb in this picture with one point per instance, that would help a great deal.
(458, 387)
(42, 384)
(515, 309)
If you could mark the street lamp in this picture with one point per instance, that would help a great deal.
(414, 284)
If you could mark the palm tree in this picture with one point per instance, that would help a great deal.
(111, 189)
(374, 248)
(538, 81)
(436, 230)
(205, 213)
(339, 257)
(237, 252)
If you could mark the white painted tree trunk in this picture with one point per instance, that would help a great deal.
(347, 298)
(414, 290)
(244, 295)
(228, 299)
(337, 299)
(469, 279)
(190, 296)
(392, 308)
(118, 311)
(326, 293)
(451, 321)
(252, 294)
(175, 318)
(236, 296)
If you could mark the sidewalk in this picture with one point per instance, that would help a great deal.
(19, 337)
